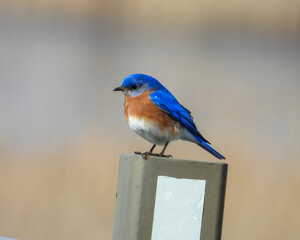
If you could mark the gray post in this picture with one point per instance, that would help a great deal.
(162, 199)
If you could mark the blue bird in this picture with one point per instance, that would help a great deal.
(155, 114)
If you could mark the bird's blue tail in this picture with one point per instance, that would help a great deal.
(208, 148)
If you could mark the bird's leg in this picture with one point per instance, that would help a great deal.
(150, 151)
(163, 151)
(147, 153)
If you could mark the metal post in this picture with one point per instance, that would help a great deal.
(162, 199)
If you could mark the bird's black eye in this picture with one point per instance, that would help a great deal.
(134, 87)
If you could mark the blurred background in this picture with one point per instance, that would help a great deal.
(235, 64)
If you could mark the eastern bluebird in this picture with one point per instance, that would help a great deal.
(155, 114)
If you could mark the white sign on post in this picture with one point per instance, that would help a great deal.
(178, 208)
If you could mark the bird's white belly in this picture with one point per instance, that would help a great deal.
(151, 131)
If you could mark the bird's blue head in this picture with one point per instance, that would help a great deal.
(135, 84)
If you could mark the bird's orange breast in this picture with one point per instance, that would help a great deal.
(141, 107)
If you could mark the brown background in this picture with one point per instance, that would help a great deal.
(234, 64)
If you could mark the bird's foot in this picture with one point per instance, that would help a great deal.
(147, 154)
(157, 155)
(138, 153)
(165, 156)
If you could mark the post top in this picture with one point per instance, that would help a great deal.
(155, 158)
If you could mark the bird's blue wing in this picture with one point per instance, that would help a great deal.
(169, 104)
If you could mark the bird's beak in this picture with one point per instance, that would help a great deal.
(119, 89)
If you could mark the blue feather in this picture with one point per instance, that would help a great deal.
(210, 149)
(168, 103)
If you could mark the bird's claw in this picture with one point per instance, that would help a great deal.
(145, 155)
